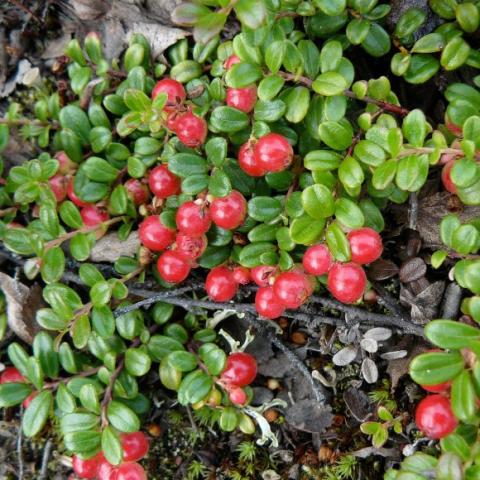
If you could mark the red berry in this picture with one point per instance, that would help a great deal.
(29, 399)
(446, 178)
(347, 282)
(248, 163)
(439, 388)
(58, 184)
(87, 468)
(175, 92)
(65, 165)
(237, 396)
(193, 219)
(130, 471)
(241, 275)
(172, 120)
(229, 212)
(190, 247)
(365, 244)
(73, 196)
(135, 446)
(220, 284)
(262, 274)
(11, 375)
(243, 99)
(172, 267)
(191, 130)
(240, 370)
(137, 191)
(106, 471)
(93, 215)
(434, 417)
(267, 303)
(231, 61)
(292, 289)
(163, 183)
(317, 259)
(273, 153)
(154, 235)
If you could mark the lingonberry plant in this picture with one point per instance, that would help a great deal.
(256, 160)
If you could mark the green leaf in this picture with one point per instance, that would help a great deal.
(228, 119)
(348, 213)
(463, 398)
(421, 68)
(468, 16)
(438, 258)
(122, 417)
(269, 87)
(136, 100)
(329, 83)
(410, 22)
(186, 164)
(251, 13)
(331, 7)
(83, 442)
(213, 357)
(450, 334)
(357, 30)
(337, 242)
(369, 153)
(228, 420)
(18, 240)
(70, 215)
(297, 103)
(43, 349)
(216, 150)
(350, 173)
(169, 376)
(337, 136)
(208, 26)
(264, 209)
(36, 415)
(100, 170)
(159, 346)
(242, 75)
(100, 137)
(137, 361)
(456, 444)
(182, 361)
(318, 202)
(53, 265)
(111, 446)
(194, 387)
(433, 368)
(129, 123)
(412, 172)
(305, 231)
(75, 119)
(322, 160)
(377, 41)
(465, 239)
(430, 43)
(219, 184)
(89, 398)
(269, 111)
(100, 293)
(455, 53)
(12, 394)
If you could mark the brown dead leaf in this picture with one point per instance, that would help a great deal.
(309, 416)
(425, 304)
(399, 367)
(110, 248)
(412, 269)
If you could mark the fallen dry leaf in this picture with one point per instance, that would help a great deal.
(110, 248)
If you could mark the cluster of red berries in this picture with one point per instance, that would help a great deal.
(12, 375)
(135, 447)
(240, 371)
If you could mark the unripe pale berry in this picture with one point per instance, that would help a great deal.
(193, 219)
(434, 417)
(137, 191)
(273, 153)
(243, 99)
(267, 304)
(175, 92)
(292, 289)
(93, 215)
(317, 260)
(446, 177)
(154, 235)
(172, 267)
(229, 212)
(365, 245)
(135, 446)
(190, 247)
(347, 282)
(191, 130)
(220, 284)
(240, 369)
(162, 182)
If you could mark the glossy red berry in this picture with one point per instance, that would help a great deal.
(106, 471)
(438, 388)
(65, 165)
(347, 282)
(434, 417)
(267, 304)
(229, 212)
(137, 191)
(154, 235)
(193, 219)
(365, 244)
(172, 118)
(248, 163)
(262, 274)
(220, 284)
(29, 399)
(240, 369)
(231, 61)
(11, 375)
(446, 177)
(172, 267)
(58, 184)
(73, 196)
(241, 275)
(317, 260)
(237, 396)
(130, 471)
(190, 247)
(163, 183)
(135, 446)
(292, 289)
(273, 153)
(87, 468)
(243, 99)
(175, 92)
(191, 130)
(93, 215)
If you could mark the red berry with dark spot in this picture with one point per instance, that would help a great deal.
(58, 184)
(193, 219)
(172, 267)
(240, 369)
(292, 289)
(190, 247)
(446, 177)
(231, 61)
(73, 196)
(229, 212)
(87, 468)
(106, 471)
(237, 396)
(241, 275)
(317, 260)
(220, 284)
(130, 471)
(262, 274)
(347, 282)
(243, 99)
(163, 183)
(434, 417)
(267, 304)
(248, 163)
(11, 375)
(137, 191)
(273, 153)
(365, 244)
(191, 130)
(154, 235)
(175, 92)
(135, 446)
(93, 215)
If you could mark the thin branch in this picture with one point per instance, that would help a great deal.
(20, 5)
(20, 452)
(19, 122)
(109, 392)
(45, 459)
